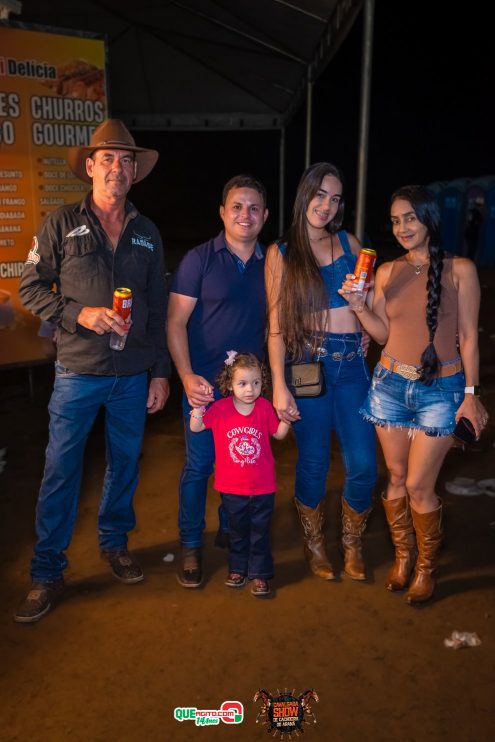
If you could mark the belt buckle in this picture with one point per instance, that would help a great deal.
(408, 372)
(320, 352)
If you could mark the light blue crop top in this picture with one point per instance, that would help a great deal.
(334, 274)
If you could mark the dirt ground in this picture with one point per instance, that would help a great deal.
(112, 662)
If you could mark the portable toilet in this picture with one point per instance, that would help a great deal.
(486, 250)
(451, 203)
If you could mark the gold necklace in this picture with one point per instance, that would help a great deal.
(418, 269)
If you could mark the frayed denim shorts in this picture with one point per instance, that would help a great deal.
(396, 402)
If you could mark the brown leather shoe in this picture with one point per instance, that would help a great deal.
(40, 599)
(399, 519)
(353, 525)
(314, 541)
(190, 573)
(428, 527)
(123, 565)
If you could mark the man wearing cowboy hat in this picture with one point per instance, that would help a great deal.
(81, 254)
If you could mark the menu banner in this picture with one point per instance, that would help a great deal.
(52, 96)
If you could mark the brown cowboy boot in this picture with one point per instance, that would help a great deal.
(399, 519)
(314, 541)
(353, 525)
(428, 527)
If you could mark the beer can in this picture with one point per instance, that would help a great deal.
(364, 268)
(122, 302)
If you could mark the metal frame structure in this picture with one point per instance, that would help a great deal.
(249, 64)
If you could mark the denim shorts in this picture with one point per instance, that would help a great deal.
(396, 402)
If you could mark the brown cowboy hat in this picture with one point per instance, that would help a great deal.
(111, 134)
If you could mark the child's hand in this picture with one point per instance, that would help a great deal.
(285, 405)
(198, 390)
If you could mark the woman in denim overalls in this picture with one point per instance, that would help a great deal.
(308, 320)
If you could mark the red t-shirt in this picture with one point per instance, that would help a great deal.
(244, 463)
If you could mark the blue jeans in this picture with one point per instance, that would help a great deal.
(249, 519)
(74, 404)
(193, 484)
(401, 403)
(347, 381)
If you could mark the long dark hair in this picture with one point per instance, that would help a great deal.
(426, 209)
(303, 297)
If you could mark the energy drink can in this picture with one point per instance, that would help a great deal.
(364, 269)
(122, 304)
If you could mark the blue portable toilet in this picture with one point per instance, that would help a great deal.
(451, 203)
(486, 253)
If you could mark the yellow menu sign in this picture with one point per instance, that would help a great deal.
(52, 96)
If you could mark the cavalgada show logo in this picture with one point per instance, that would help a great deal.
(284, 714)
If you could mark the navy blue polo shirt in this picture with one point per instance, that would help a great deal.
(230, 313)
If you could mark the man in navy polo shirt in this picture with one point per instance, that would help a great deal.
(217, 303)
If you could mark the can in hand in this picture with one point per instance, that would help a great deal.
(363, 272)
(122, 304)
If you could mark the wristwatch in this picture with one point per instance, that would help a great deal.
(476, 390)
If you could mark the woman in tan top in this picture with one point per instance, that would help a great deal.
(425, 313)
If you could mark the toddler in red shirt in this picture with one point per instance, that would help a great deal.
(241, 424)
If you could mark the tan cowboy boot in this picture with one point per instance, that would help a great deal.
(400, 523)
(353, 525)
(428, 527)
(314, 541)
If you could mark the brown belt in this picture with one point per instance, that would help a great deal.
(412, 372)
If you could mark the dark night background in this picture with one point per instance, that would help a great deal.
(431, 119)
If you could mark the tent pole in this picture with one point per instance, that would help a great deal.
(364, 118)
(281, 189)
(309, 116)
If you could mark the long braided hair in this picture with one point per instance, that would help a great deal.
(426, 209)
(303, 296)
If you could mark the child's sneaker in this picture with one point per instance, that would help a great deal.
(235, 580)
(260, 587)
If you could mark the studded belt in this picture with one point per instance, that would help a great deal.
(413, 373)
(343, 356)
